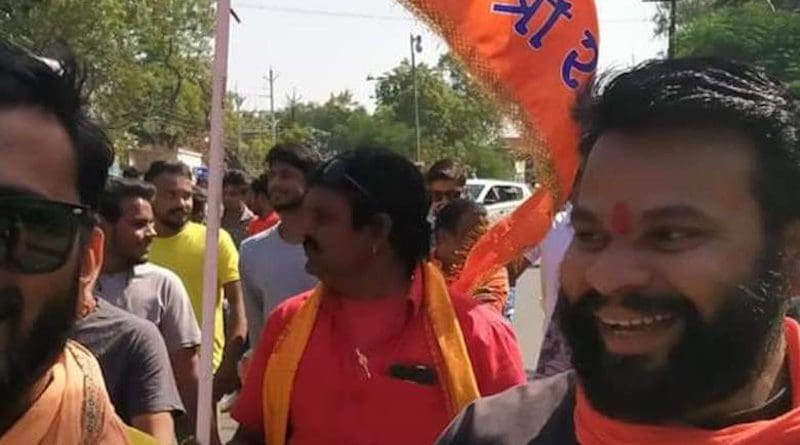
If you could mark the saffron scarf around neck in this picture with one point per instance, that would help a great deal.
(73, 409)
(454, 367)
(593, 428)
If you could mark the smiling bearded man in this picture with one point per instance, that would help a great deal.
(687, 239)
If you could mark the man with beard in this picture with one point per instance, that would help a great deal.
(380, 352)
(180, 247)
(273, 262)
(687, 242)
(148, 291)
(50, 255)
(236, 216)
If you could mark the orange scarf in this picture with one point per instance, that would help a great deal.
(592, 428)
(453, 365)
(73, 409)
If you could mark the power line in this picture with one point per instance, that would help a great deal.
(322, 12)
(357, 15)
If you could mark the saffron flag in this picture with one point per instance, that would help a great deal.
(533, 57)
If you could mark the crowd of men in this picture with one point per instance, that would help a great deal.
(668, 276)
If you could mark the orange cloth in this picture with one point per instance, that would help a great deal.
(74, 408)
(593, 428)
(534, 57)
(494, 291)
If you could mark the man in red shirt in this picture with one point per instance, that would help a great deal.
(379, 353)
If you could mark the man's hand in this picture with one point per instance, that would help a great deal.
(226, 379)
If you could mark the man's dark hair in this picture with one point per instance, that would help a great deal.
(158, 168)
(708, 93)
(454, 211)
(392, 185)
(131, 173)
(235, 178)
(26, 81)
(118, 190)
(300, 155)
(260, 185)
(446, 170)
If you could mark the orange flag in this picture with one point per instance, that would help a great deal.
(533, 56)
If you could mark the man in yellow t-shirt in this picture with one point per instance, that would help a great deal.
(180, 247)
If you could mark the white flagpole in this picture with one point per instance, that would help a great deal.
(219, 76)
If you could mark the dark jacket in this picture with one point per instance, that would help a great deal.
(538, 413)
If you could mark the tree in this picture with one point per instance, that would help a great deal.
(148, 60)
(765, 33)
(456, 119)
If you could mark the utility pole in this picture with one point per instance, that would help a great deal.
(416, 47)
(673, 23)
(673, 19)
(271, 79)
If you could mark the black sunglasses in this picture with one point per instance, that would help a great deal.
(37, 235)
(450, 195)
(336, 170)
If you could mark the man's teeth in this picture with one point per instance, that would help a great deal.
(634, 322)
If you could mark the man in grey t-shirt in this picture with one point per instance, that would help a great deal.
(156, 294)
(135, 367)
(146, 290)
(272, 270)
(272, 264)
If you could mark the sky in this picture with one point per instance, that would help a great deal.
(321, 47)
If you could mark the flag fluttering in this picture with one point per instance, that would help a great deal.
(533, 57)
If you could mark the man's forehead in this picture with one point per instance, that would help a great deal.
(172, 180)
(679, 169)
(37, 155)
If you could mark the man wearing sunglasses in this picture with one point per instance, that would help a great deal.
(379, 352)
(50, 256)
(446, 181)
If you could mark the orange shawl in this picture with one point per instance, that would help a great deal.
(73, 409)
(592, 428)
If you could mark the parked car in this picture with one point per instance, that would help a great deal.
(499, 197)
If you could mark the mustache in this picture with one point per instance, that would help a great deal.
(10, 304)
(592, 301)
(310, 243)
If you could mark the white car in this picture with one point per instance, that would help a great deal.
(499, 197)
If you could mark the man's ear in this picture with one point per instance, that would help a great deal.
(91, 261)
(381, 228)
(791, 256)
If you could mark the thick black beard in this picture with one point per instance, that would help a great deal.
(30, 356)
(712, 360)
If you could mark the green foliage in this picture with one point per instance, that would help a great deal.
(148, 60)
(761, 32)
(750, 32)
(456, 119)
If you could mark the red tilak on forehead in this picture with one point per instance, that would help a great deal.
(621, 219)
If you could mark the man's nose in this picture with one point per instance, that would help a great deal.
(618, 270)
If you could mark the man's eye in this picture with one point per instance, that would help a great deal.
(673, 239)
(589, 239)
